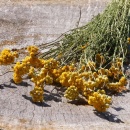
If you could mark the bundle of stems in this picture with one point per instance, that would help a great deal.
(105, 34)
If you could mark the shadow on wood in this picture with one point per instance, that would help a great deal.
(108, 116)
(41, 104)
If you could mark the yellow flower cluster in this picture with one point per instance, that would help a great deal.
(100, 60)
(115, 72)
(87, 92)
(118, 62)
(72, 93)
(7, 57)
(72, 79)
(101, 81)
(33, 50)
(56, 74)
(51, 64)
(117, 86)
(47, 75)
(128, 40)
(20, 69)
(87, 82)
(27, 64)
(60, 74)
(48, 79)
(100, 101)
(31, 72)
(86, 79)
(103, 71)
(64, 78)
(90, 84)
(37, 94)
(44, 76)
(90, 66)
(123, 81)
(33, 61)
(38, 79)
(23, 68)
(116, 68)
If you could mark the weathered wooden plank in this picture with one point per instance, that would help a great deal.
(26, 24)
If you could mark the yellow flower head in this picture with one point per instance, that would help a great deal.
(128, 40)
(37, 94)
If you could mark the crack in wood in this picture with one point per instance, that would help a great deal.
(80, 14)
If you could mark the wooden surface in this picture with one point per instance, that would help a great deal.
(29, 23)
(64, 2)
(18, 112)
(37, 22)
